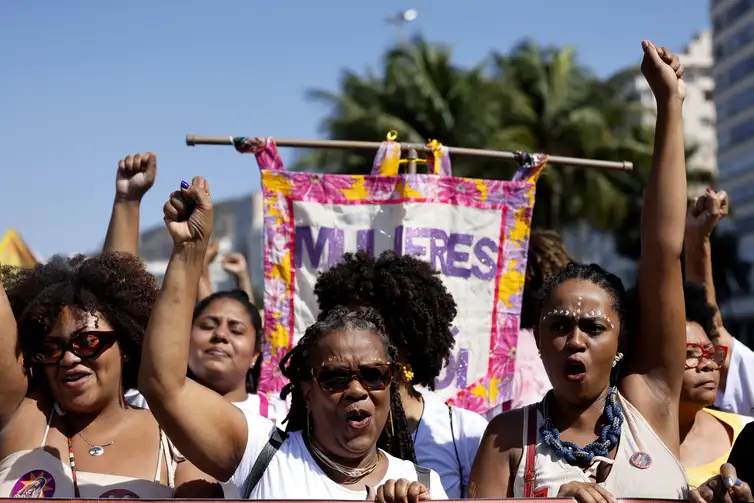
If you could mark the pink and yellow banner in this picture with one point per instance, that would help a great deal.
(475, 233)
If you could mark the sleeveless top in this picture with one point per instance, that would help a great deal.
(643, 466)
(36, 473)
(734, 424)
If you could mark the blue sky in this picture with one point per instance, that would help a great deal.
(84, 83)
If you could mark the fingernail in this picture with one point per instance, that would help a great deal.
(739, 483)
(709, 191)
(185, 185)
(728, 482)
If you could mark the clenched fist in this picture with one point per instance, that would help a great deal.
(235, 263)
(706, 212)
(136, 174)
(189, 214)
(664, 72)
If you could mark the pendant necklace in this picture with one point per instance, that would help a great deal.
(96, 449)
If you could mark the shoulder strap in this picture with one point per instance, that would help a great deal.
(455, 447)
(422, 475)
(260, 465)
(530, 450)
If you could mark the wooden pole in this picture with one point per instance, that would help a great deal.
(193, 140)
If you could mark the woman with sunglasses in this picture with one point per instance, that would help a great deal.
(707, 435)
(67, 431)
(609, 427)
(343, 435)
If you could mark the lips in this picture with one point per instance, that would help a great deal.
(220, 353)
(575, 369)
(358, 418)
(75, 377)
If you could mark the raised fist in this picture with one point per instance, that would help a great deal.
(189, 214)
(136, 174)
(706, 212)
(235, 263)
(663, 71)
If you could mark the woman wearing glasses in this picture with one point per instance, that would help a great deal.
(66, 430)
(346, 428)
(707, 435)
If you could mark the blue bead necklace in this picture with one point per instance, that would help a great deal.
(609, 436)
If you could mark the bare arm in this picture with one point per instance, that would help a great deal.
(192, 483)
(205, 284)
(235, 264)
(497, 459)
(209, 431)
(135, 176)
(12, 374)
(657, 350)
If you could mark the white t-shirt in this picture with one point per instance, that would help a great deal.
(293, 473)
(738, 397)
(276, 409)
(434, 443)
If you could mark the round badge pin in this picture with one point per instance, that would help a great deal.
(641, 460)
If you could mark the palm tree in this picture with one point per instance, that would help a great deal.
(420, 93)
(549, 103)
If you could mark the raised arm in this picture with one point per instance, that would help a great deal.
(702, 218)
(12, 374)
(208, 430)
(235, 264)
(135, 176)
(205, 284)
(656, 351)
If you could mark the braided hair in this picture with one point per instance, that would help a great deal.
(296, 365)
(547, 256)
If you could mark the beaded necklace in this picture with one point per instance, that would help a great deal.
(609, 435)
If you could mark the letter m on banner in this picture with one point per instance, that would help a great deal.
(475, 234)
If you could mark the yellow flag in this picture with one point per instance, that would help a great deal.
(13, 251)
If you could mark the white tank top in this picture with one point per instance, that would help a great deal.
(643, 466)
(36, 473)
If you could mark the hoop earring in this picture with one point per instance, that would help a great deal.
(390, 417)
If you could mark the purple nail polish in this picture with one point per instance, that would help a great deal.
(185, 185)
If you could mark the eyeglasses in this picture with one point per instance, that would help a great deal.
(696, 353)
(337, 379)
(84, 345)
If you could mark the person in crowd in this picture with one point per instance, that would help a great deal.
(707, 435)
(72, 332)
(346, 428)
(226, 339)
(418, 311)
(607, 377)
(233, 263)
(226, 333)
(736, 391)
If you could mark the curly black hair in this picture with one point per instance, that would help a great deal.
(116, 286)
(417, 308)
(296, 365)
(547, 256)
(252, 376)
(610, 283)
(698, 310)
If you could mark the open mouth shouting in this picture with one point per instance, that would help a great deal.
(358, 418)
(575, 369)
(75, 377)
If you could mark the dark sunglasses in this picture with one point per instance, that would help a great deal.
(87, 345)
(375, 377)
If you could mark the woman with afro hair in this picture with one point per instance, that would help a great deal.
(418, 311)
(70, 345)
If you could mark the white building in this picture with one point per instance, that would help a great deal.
(698, 110)
(238, 228)
(733, 42)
